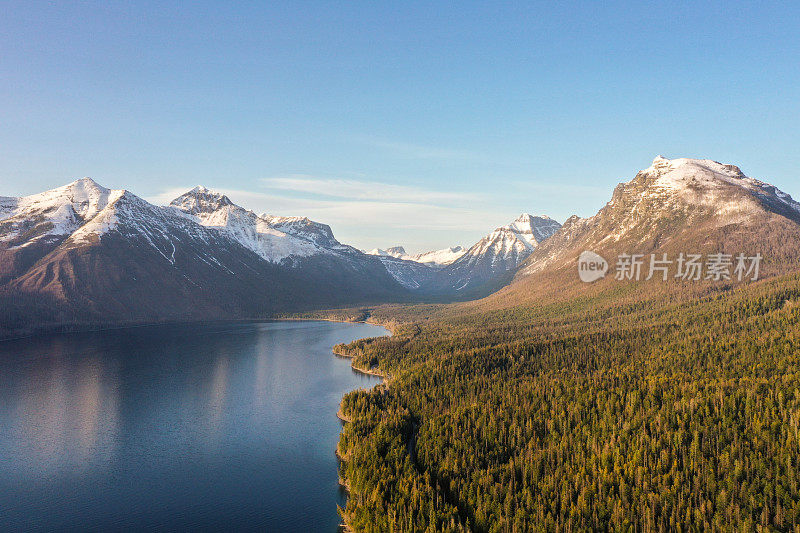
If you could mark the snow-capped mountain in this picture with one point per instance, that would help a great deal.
(485, 266)
(215, 210)
(439, 258)
(434, 259)
(680, 205)
(274, 238)
(52, 215)
(398, 252)
(704, 183)
(85, 254)
(530, 229)
(304, 228)
(108, 255)
(492, 260)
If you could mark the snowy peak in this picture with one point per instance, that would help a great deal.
(720, 188)
(670, 203)
(532, 229)
(433, 259)
(440, 258)
(212, 209)
(679, 174)
(85, 196)
(200, 201)
(274, 238)
(498, 254)
(398, 252)
(54, 214)
(215, 210)
(703, 168)
(524, 233)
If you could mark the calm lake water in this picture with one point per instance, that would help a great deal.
(175, 427)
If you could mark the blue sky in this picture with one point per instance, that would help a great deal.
(414, 123)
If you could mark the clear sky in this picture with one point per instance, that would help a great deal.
(415, 123)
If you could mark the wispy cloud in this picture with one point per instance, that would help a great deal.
(363, 190)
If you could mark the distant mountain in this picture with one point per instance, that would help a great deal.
(434, 259)
(485, 266)
(214, 210)
(398, 252)
(440, 258)
(84, 254)
(490, 262)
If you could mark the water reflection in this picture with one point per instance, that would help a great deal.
(262, 375)
(216, 399)
(174, 427)
(66, 416)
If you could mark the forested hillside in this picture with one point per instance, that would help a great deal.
(637, 406)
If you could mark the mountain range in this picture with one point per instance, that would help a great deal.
(83, 255)
(477, 271)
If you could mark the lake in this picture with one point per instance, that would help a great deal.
(224, 426)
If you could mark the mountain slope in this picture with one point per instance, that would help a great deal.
(409, 273)
(673, 207)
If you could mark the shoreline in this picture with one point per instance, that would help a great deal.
(377, 373)
(89, 327)
(344, 527)
(71, 329)
(388, 326)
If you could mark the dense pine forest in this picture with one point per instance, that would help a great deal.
(637, 409)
